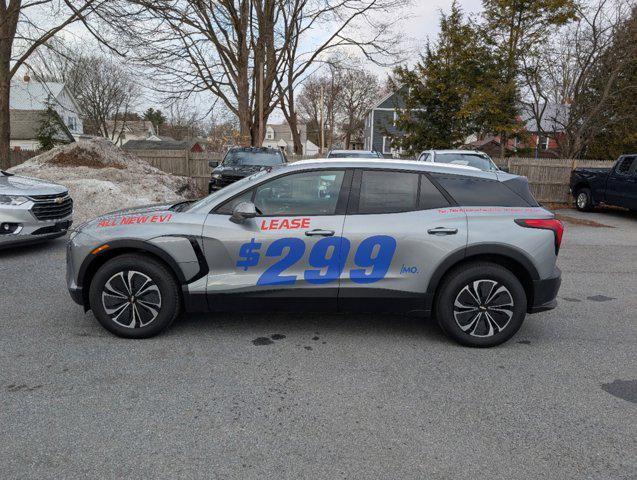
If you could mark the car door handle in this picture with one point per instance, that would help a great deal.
(442, 231)
(317, 232)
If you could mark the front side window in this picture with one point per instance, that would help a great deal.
(306, 193)
(388, 192)
(228, 207)
(386, 145)
(623, 168)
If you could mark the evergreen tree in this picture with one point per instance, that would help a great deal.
(49, 129)
(451, 89)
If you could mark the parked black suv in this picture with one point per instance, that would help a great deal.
(241, 162)
(613, 186)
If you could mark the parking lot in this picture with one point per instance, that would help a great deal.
(316, 396)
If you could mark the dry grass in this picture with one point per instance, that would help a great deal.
(82, 157)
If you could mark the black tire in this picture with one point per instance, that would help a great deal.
(485, 275)
(584, 200)
(162, 290)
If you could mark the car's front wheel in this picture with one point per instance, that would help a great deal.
(481, 304)
(134, 296)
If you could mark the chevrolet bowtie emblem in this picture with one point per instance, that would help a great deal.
(59, 200)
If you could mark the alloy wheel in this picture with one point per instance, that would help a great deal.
(131, 299)
(582, 200)
(483, 308)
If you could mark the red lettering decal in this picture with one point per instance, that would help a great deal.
(295, 223)
(274, 224)
(305, 223)
(285, 223)
(154, 219)
(263, 225)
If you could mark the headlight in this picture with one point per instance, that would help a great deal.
(12, 200)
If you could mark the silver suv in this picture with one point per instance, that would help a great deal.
(32, 210)
(471, 247)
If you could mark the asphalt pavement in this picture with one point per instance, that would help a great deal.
(300, 396)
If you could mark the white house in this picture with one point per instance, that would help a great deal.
(280, 136)
(123, 132)
(29, 95)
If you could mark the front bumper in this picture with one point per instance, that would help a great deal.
(545, 293)
(22, 226)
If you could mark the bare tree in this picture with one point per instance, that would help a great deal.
(587, 71)
(363, 25)
(105, 91)
(194, 47)
(26, 26)
(359, 90)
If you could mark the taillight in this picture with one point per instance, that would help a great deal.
(545, 224)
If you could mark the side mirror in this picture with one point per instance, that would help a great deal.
(242, 211)
(213, 163)
(504, 169)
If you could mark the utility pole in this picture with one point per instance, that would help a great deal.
(322, 133)
(260, 142)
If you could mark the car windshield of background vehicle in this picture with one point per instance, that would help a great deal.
(467, 159)
(353, 154)
(240, 158)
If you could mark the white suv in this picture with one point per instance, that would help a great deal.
(468, 158)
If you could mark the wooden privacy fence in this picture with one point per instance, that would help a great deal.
(182, 162)
(548, 177)
(16, 157)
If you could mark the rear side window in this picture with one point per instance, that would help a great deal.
(471, 191)
(388, 192)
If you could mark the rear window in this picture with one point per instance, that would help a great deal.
(466, 159)
(471, 191)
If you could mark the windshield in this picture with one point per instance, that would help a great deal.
(236, 158)
(468, 159)
(234, 187)
(353, 154)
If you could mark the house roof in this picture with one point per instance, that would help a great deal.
(553, 119)
(134, 127)
(33, 95)
(26, 123)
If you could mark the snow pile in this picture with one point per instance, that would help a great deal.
(102, 178)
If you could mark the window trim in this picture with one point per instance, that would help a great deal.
(341, 203)
(385, 152)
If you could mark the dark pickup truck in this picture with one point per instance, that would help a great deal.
(612, 186)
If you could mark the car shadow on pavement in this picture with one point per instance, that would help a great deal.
(34, 248)
(310, 323)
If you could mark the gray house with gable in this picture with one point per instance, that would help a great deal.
(380, 123)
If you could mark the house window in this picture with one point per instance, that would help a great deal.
(395, 117)
(387, 145)
(543, 142)
(70, 121)
(516, 142)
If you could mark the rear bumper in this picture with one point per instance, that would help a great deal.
(545, 293)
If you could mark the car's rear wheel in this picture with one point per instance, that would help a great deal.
(584, 200)
(481, 304)
(134, 296)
